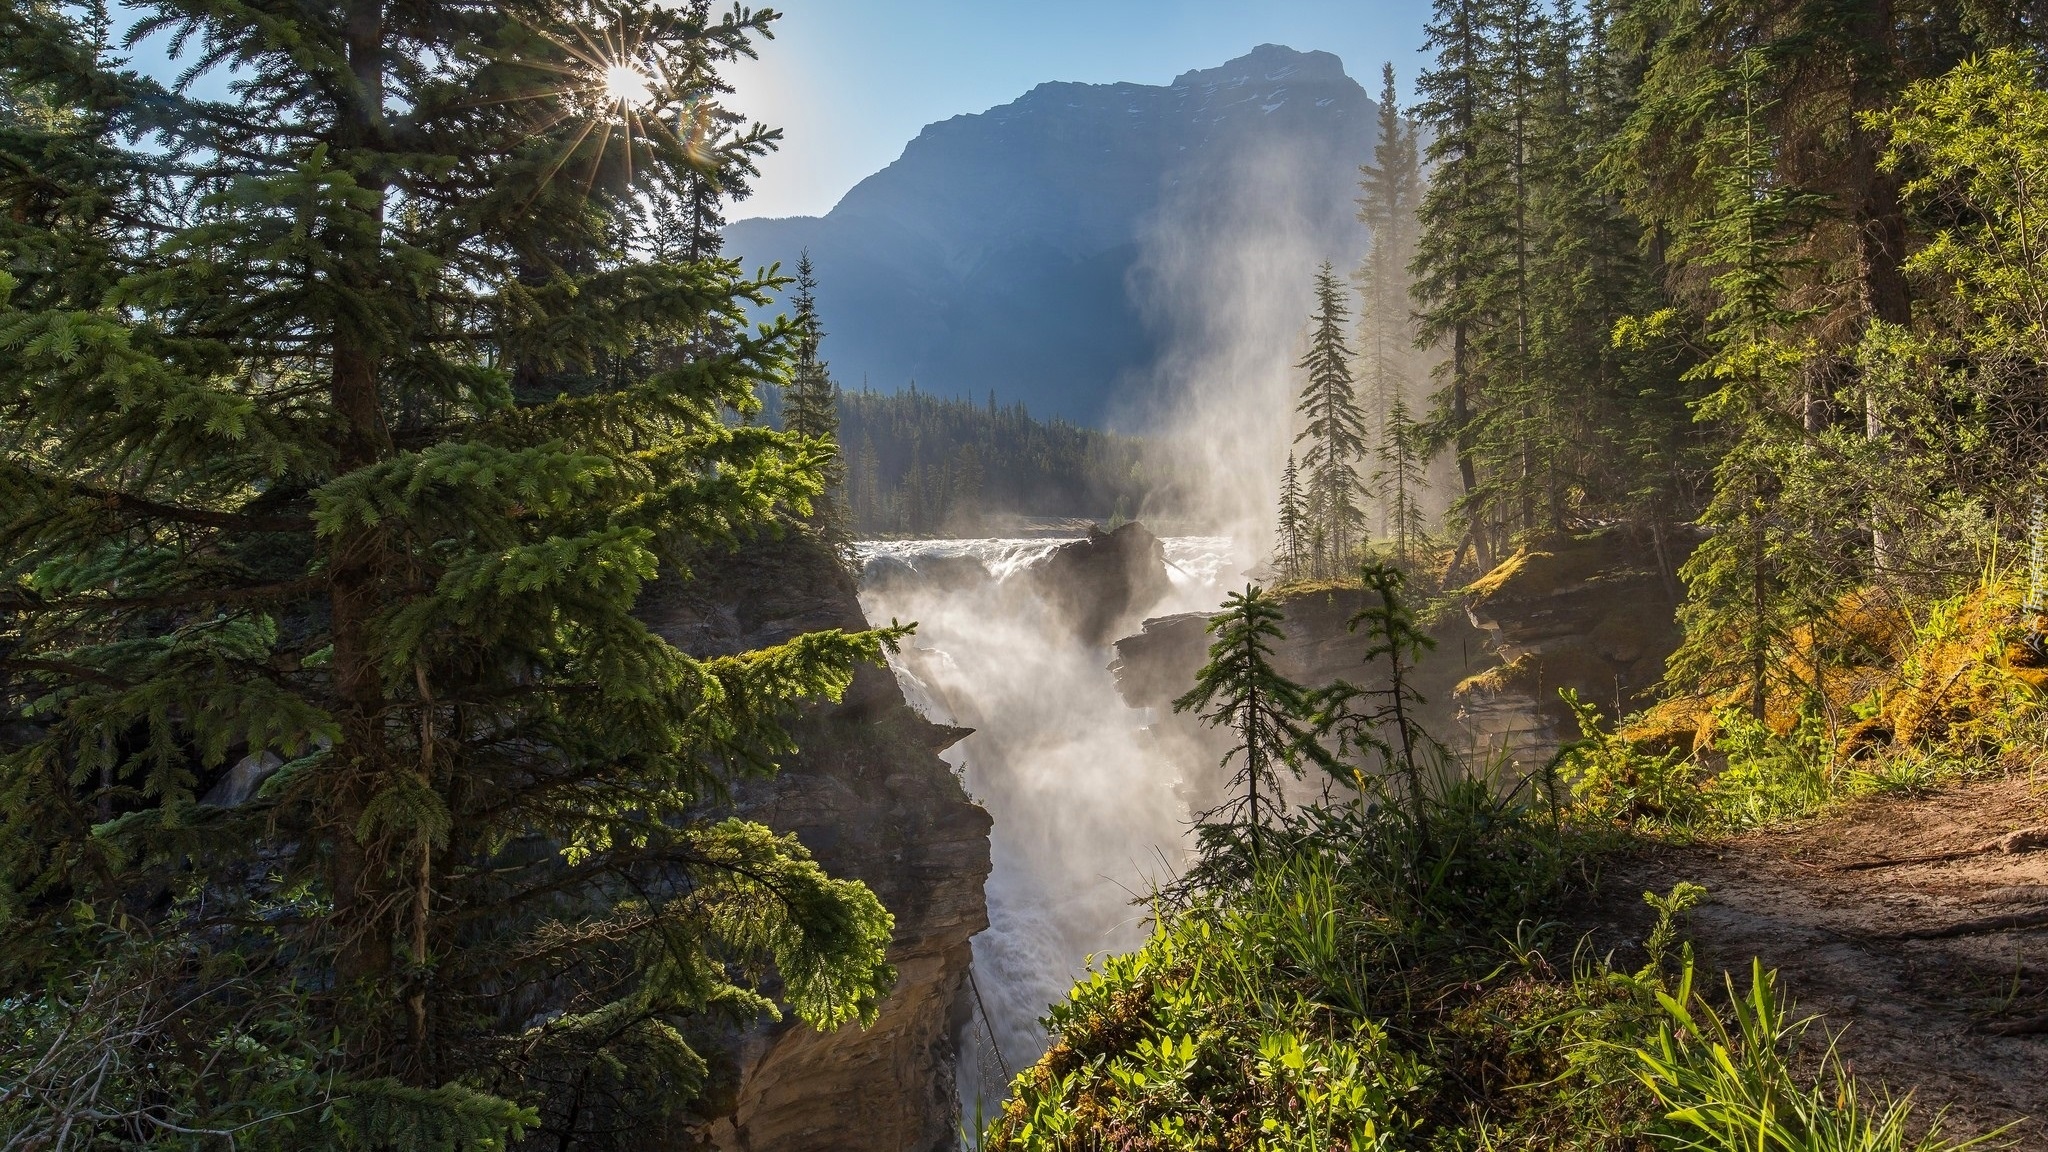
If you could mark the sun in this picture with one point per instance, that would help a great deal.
(627, 85)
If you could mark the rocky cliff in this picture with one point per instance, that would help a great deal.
(1100, 584)
(1595, 614)
(1591, 613)
(871, 799)
(1159, 662)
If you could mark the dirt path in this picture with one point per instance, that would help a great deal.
(1903, 919)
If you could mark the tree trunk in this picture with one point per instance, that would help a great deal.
(1880, 219)
(354, 560)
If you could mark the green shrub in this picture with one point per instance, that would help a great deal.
(1613, 779)
(1769, 777)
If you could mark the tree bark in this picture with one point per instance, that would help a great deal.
(353, 558)
(1880, 218)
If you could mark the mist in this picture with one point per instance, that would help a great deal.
(1093, 802)
(1224, 280)
(1090, 811)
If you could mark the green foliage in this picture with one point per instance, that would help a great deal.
(1770, 777)
(1765, 777)
(1360, 717)
(1736, 1081)
(1747, 588)
(810, 402)
(1290, 553)
(1390, 193)
(385, 1114)
(1332, 1000)
(1337, 432)
(344, 425)
(1613, 780)
(1270, 715)
(1525, 263)
(1327, 1005)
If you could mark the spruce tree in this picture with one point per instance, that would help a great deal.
(810, 403)
(1290, 553)
(1269, 715)
(1745, 584)
(1382, 723)
(1390, 189)
(337, 453)
(1401, 477)
(1335, 429)
(1459, 241)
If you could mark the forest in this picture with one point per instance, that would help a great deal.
(913, 464)
(408, 510)
(1756, 276)
(919, 464)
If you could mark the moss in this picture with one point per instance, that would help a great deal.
(1517, 675)
(1507, 573)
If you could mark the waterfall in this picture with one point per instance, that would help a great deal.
(1088, 813)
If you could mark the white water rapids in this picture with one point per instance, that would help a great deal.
(1088, 813)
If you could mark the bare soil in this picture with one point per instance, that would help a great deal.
(1916, 927)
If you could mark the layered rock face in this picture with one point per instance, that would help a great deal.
(1159, 663)
(869, 796)
(1595, 614)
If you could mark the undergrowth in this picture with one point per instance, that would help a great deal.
(1383, 974)
(1354, 990)
(1952, 695)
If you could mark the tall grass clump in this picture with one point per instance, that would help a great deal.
(1730, 1081)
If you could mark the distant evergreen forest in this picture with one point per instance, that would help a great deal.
(918, 463)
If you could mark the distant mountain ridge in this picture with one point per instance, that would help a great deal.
(1016, 250)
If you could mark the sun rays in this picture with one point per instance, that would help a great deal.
(614, 86)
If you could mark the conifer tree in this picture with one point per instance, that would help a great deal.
(1744, 584)
(810, 403)
(1458, 244)
(1335, 429)
(337, 451)
(1382, 722)
(1390, 191)
(1290, 552)
(1269, 714)
(1401, 477)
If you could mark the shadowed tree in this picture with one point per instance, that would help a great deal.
(343, 424)
(1290, 552)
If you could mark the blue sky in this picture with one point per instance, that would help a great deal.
(851, 81)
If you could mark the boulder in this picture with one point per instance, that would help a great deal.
(1104, 584)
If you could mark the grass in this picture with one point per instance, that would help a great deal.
(1352, 989)
(1728, 1081)
(1376, 980)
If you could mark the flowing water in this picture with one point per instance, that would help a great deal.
(1089, 814)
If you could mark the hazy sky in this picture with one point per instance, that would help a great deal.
(851, 81)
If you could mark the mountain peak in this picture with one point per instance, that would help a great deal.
(1024, 248)
(1268, 63)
